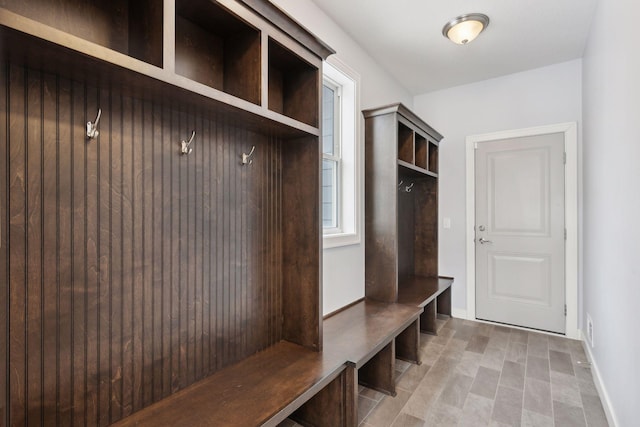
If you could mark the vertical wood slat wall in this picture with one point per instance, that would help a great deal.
(127, 271)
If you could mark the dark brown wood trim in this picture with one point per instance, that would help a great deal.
(283, 21)
(346, 307)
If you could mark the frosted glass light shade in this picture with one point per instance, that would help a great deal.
(465, 28)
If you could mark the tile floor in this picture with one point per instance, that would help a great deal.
(476, 374)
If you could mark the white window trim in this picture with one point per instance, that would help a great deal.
(350, 189)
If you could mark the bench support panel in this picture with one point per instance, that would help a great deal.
(408, 343)
(334, 405)
(379, 372)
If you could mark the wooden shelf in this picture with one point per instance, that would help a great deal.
(409, 170)
(402, 220)
(75, 57)
(420, 291)
(215, 48)
(405, 144)
(421, 151)
(293, 85)
(433, 157)
(131, 27)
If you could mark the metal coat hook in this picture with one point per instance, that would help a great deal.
(408, 188)
(185, 144)
(246, 157)
(92, 128)
(400, 184)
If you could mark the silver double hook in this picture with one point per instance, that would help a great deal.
(92, 128)
(185, 145)
(246, 158)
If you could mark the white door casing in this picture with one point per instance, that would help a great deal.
(569, 131)
(520, 231)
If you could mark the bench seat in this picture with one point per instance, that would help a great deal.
(263, 389)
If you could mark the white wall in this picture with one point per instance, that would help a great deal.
(537, 97)
(611, 95)
(343, 267)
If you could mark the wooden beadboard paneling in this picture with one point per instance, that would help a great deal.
(128, 271)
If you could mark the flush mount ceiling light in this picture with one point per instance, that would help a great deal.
(465, 28)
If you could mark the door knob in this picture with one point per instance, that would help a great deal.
(483, 241)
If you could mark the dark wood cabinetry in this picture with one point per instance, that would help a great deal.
(401, 209)
(129, 271)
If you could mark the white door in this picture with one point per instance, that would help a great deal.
(520, 231)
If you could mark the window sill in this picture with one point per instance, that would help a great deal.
(339, 239)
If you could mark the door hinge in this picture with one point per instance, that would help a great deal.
(564, 158)
(565, 309)
(565, 234)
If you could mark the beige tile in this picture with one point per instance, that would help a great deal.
(537, 368)
(486, 383)
(593, 411)
(565, 388)
(516, 352)
(476, 412)
(561, 362)
(469, 364)
(559, 343)
(423, 400)
(498, 339)
(465, 332)
(507, 408)
(429, 389)
(477, 344)
(388, 409)
(512, 375)
(567, 415)
(406, 420)
(484, 329)
(402, 365)
(533, 419)
(443, 415)
(538, 345)
(371, 394)
(456, 390)
(430, 353)
(503, 329)
(537, 397)
(587, 387)
(365, 405)
(583, 372)
(493, 358)
(519, 336)
(454, 349)
(411, 379)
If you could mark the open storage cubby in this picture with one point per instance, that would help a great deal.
(217, 49)
(293, 85)
(131, 27)
(149, 270)
(421, 151)
(433, 157)
(401, 227)
(405, 143)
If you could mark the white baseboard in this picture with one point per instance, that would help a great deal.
(597, 379)
(458, 313)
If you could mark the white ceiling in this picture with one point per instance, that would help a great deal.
(405, 37)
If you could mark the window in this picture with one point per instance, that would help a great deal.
(331, 156)
(340, 155)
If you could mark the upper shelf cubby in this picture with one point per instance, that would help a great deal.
(293, 85)
(217, 49)
(131, 27)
